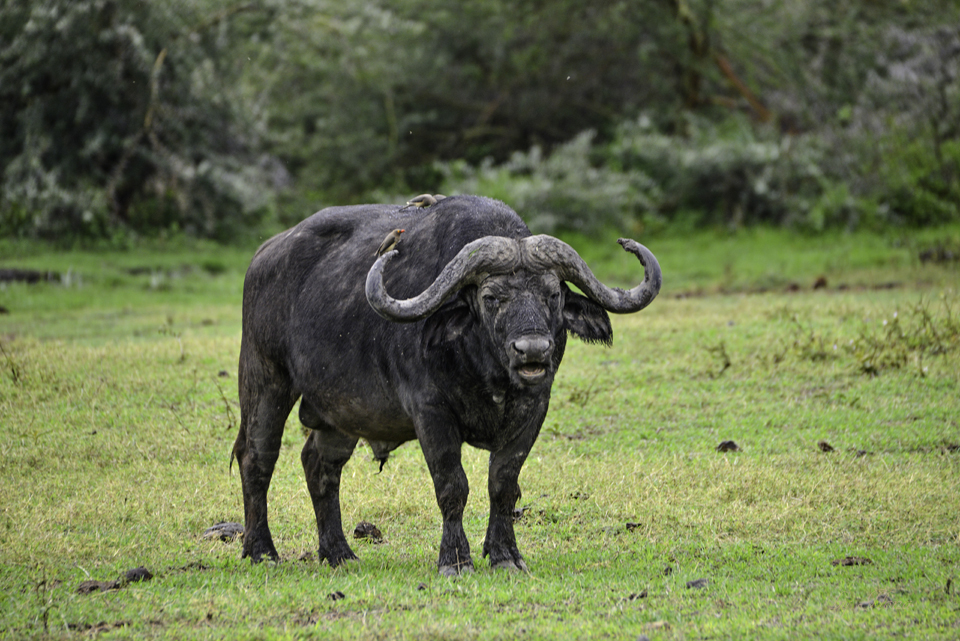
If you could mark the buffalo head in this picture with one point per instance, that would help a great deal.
(515, 288)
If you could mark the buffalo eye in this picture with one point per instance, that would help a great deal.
(491, 302)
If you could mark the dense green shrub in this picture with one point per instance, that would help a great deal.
(569, 189)
(202, 116)
(715, 176)
(121, 114)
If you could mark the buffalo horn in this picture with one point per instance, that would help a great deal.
(551, 253)
(471, 265)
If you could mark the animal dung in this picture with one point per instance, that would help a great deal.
(824, 446)
(138, 574)
(88, 587)
(367, 530)
(697, 584)
(728, 446)
(336, 596)
(130, 576)
(882, 600)
(224, 530)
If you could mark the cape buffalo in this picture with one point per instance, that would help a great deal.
(453, 337)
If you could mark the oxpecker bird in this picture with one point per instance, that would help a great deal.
(421, 201)
(390, 241)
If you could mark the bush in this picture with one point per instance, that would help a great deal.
(731, 174)
(123, 114)
(567, 190)
(898, 145)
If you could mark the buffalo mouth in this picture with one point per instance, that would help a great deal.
(532, 372)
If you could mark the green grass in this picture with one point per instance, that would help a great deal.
(118, 411)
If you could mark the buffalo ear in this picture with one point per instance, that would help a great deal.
(585, 319)
(449, 322)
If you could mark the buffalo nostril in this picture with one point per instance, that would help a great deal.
(521, 346)
(535, 348)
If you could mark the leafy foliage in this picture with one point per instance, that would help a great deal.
(208, 116)
(120, 114)
(567, 190)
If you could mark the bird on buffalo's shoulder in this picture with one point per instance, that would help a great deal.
(421, 201)
(390, 241)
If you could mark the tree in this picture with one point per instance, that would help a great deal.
(120, 113)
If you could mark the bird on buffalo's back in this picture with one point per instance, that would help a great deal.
(421, 201)
(390, 241)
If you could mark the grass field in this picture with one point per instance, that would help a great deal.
(118, 412)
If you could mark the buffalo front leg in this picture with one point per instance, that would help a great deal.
(262, 417)
(500, 543)
(442, 452)
(324, 455)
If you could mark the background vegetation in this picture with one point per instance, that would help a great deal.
(216, 117)
(171, 136)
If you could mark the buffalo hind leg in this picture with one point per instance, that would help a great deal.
(263, 413)
(324, 455)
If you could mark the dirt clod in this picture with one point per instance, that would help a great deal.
(851, 560)
(138, 574)
(728, 446)
(367, 530)
(224, 530)
(88, 587)
(882, 600)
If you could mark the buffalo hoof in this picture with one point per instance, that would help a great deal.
(456, 570)
(341, 559)
(345, 565)
(261, 554)
(511, 565)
